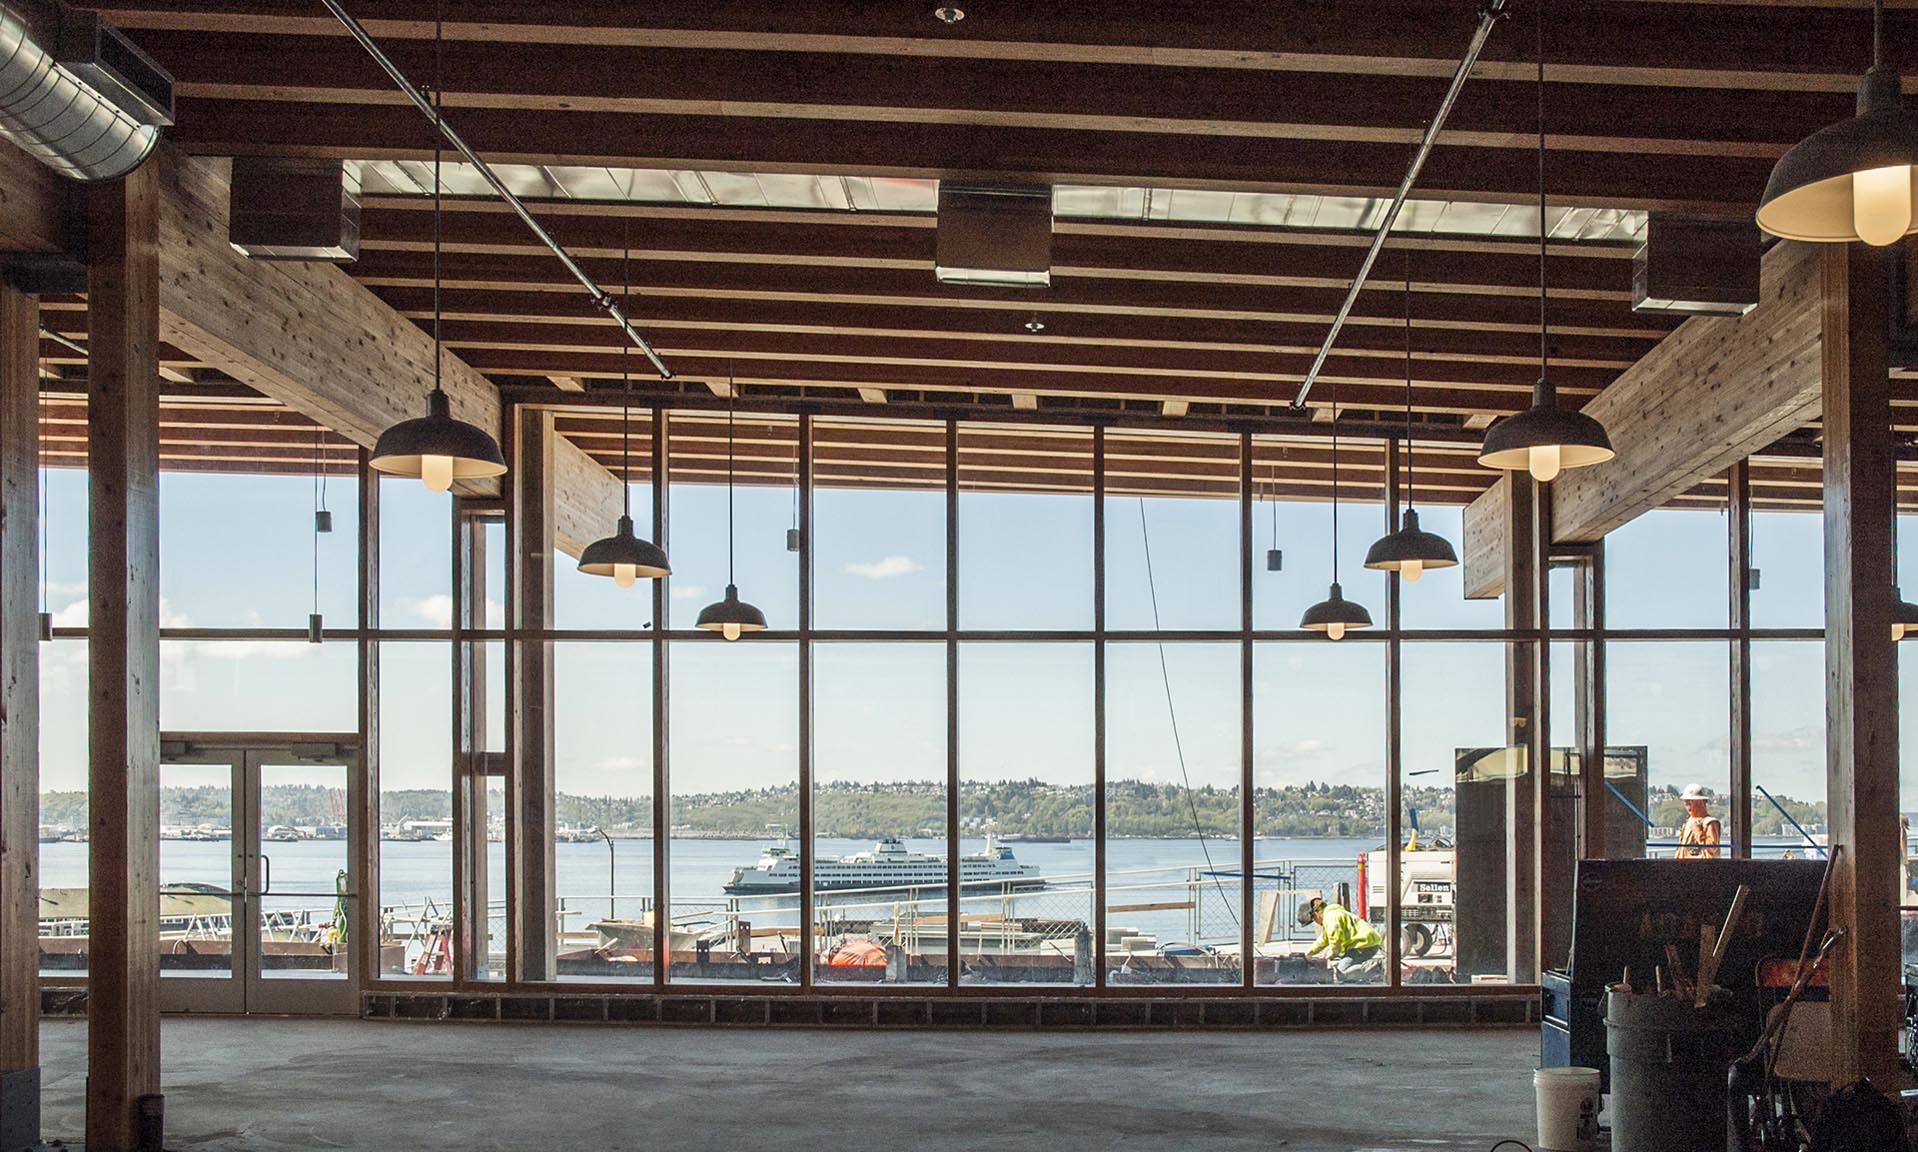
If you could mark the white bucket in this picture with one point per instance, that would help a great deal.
(1567, 1109)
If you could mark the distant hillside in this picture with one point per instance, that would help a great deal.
(866, 811)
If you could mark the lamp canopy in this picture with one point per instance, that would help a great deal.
(1411, 550)
(437, 448)
(1335, 615)
(1545, 439)
(1857, 179)
(731, 617)
(624, 557)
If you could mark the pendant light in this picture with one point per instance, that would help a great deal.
(623, 555)
(435, 447)
(1544, 439)
(730, 617)
(1410, 550)
(46, 524)
(322, 524)
(1857, 179)
(1335, 615)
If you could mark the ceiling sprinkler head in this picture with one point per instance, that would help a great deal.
(949, 13)
(1035, 325)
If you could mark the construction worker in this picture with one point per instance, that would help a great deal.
(1353, 948)
(1701, 834)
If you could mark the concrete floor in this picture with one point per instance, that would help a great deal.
(276, 1084)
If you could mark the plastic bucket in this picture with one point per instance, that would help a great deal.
(1567, 1109)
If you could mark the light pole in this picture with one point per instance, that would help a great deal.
(612, 876)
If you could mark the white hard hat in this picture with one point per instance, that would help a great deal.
(1694, 792)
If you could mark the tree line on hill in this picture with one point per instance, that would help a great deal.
(841, 810)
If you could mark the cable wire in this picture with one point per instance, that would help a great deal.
(1172, 715)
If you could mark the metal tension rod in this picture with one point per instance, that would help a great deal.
(62, 341)
(600, 296)
(1492, 13)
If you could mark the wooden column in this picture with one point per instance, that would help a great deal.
(365, 801)
(1394, 732)
(472, 941)
(1861, 681)
(531, 902)
(1524, 703)
(1738, 559)
(19, 720)
(123, 654)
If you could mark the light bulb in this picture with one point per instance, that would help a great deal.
(1881, 204)
(625, 574)
(1897, 632)
(437, 472)
(1411, 570)
(1335, 631)
(729, 630)
(1544, 463)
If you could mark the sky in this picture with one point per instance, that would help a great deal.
(237, 551)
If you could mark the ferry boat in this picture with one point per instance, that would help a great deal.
(890, 864)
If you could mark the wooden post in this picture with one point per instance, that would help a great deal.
(1738, 558)
(365, 801)
(472, 941)
(532, 904)
(1524, 702)
(19, 720)
(1861, 681)
(1394, 734)
(123, 655)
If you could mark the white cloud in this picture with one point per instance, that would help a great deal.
(887, 568)
(437, 610)
(688, 591)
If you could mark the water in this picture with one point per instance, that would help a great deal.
(412, 873)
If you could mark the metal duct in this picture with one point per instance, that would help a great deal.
(52, 116)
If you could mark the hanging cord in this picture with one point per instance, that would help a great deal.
(1878, 34)
(732, 398)
(1408, 379)
(1539, 36)
(1172, 715)
(625, 376)
(439, 95)
(46, 498)
(1335, 481)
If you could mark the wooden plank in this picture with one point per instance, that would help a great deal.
(123, 653)
(529, 784)
(1861, 677)
(19, 718)
(1484, 544)
(567, 383)
(307, 335)
(1712, 393)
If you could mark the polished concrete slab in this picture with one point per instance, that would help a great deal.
(292, 1084)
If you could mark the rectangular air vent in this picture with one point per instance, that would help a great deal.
(1000, 236)
(109, 63)
(283, 208)
(1702, 267)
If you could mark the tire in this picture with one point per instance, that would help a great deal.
(1415, 939)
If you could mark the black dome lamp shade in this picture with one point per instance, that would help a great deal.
(1904, 616)
(1544, 439)
(1410, 550)
(623, 555)
(435, 447)
(1335, 615)
(730, 617)
(1856, 180)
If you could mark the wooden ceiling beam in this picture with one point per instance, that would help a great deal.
(1726, 186)
(1741, 45)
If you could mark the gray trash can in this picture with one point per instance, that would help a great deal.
(1668, 1072)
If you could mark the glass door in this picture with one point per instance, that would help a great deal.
(259, 892)
(301, 954)
(202, 881)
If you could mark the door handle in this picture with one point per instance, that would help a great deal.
(266, 874)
